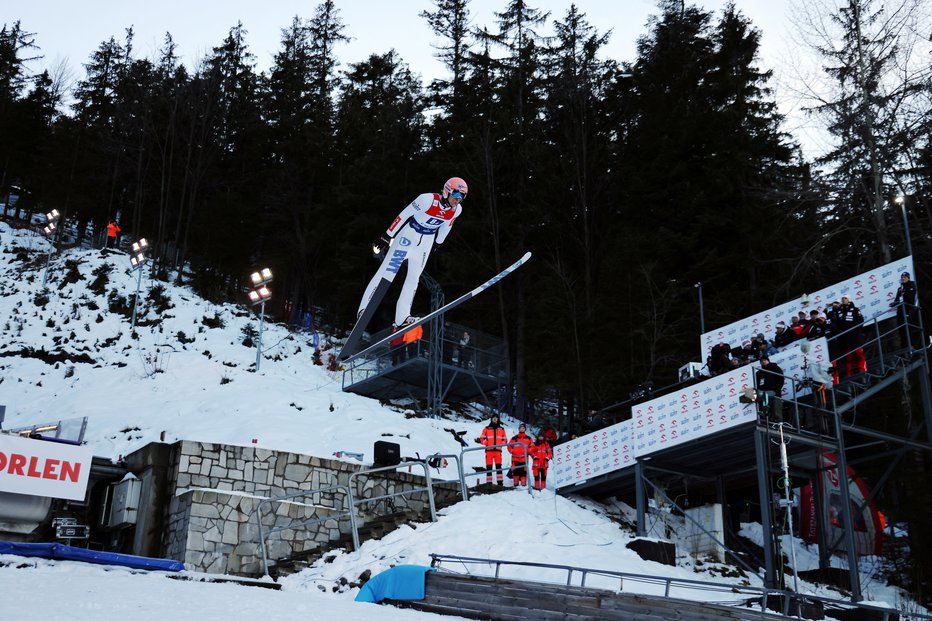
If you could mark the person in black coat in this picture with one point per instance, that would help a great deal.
(770, 381)
(906, 312)
(784, 336)
(849, 322)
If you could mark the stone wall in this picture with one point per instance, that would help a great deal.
(211, 524)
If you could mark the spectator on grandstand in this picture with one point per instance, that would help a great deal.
(594, 421)
(784, 336)
(746, 354)
(818, 329)
(719, 360)
(849, 327)
(764, 347)
(801, 325)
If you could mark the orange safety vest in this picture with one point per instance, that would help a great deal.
(519, 453)
(541, 453)
(112, 229)
(491, 437)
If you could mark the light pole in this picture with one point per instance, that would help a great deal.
(50, 230)
(259, 295)
(698, 287)
(137, 260)
(901, 201)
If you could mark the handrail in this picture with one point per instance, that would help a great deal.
(473, 449)
(429, 488)
(668, 582)
(262, 534)
(458, 458)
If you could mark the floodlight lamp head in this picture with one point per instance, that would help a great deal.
(257, 296)
(261, 277)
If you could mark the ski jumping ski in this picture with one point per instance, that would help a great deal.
(352, 341)
(446, 307)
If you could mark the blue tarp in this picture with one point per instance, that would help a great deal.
(62, 552)
(403, 582)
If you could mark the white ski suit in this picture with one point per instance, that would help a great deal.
(427, 220)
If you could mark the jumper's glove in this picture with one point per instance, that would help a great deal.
(380, 245)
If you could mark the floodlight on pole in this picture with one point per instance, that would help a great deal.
(901, 201)
(260, 294)
(51, 231)
(698, 287)
(138, 258)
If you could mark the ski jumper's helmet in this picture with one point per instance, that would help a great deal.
(455, 187)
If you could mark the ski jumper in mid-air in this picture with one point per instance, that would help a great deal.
(420, 225)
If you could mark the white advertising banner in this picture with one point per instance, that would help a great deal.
(871, 292)
(694, 412)
(699, 410)
(592, 455)
(44, 468)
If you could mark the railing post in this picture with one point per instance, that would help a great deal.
(265, 559)
(351, 510)
(464, 488)
(430, 492)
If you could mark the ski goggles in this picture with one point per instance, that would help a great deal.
(457, 194)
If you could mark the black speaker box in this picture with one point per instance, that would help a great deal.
(387, 453)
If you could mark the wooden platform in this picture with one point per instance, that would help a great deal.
(515, 600)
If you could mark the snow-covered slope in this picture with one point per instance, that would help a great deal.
(66, 354)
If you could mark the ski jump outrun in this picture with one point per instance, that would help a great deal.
(426, 221)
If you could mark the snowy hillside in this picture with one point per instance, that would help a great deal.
(188, 375)
(68, 353)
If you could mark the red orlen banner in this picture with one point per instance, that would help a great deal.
(43, 468)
